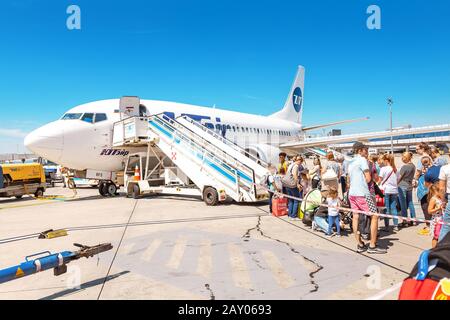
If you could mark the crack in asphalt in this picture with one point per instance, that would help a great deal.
(211, 293)
(316, 265)
(258, 263)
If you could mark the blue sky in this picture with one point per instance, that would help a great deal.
(239, 55)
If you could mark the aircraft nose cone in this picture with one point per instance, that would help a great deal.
(46, 142)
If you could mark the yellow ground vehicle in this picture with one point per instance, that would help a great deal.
(17, 180)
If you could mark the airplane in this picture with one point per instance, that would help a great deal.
(81, 139)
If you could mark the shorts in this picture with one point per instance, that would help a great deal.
(363, 203)
(437, 227)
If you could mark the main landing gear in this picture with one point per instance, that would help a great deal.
(107, 188)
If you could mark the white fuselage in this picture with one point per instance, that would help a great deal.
(80, 142)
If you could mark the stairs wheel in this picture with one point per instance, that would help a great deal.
(210, 196)
(136, 192)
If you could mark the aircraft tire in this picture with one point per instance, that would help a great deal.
(101, 189)
(111, 189)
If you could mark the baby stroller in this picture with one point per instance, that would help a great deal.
(346, 216)
(310, 204)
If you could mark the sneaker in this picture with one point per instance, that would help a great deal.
(396, 229)
(376, 250)
(314, 226)
(338, 236)
(361, 248)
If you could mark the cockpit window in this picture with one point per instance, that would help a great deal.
(88, 117)
(100, 117)
(71, 116)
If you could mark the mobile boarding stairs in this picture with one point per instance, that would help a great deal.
(206, 164)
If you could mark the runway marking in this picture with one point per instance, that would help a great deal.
(283, 279)
(150, 251)
(305, 263)
(204, 265)
(177, 253)
(240, 275)
(384, 293)
(126, 249)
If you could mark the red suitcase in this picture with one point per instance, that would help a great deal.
(279, 207)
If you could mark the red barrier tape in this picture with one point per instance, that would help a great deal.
(367, 213)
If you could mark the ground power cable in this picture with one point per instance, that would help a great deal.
(134, 224)
(117, 250)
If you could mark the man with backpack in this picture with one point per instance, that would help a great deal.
(291, 183)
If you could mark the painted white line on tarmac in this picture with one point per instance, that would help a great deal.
(177, 253)
(240, 275)
(204, 266)
(150, 251)
(384, 293)
(283, 279)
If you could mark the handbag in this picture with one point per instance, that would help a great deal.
(379, 197)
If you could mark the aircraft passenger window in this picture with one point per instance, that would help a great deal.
(234, 128)
(257, 130)
(88, 117)
(72, 116)
(246, 129)
(100, 117)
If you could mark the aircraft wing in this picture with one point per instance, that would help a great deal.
(411, 134)
(333, 124)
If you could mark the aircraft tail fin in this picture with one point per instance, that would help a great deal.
(293, 108)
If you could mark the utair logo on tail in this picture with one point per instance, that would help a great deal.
(297, 99)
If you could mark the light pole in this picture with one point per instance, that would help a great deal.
(390, 102)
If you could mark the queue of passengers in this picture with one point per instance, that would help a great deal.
(372, 185)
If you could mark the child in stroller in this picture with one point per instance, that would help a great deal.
(315, 215)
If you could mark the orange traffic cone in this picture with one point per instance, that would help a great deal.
(137, 174)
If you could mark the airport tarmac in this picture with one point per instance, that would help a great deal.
(178, 248)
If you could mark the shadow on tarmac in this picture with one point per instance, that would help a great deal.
(84, 286)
